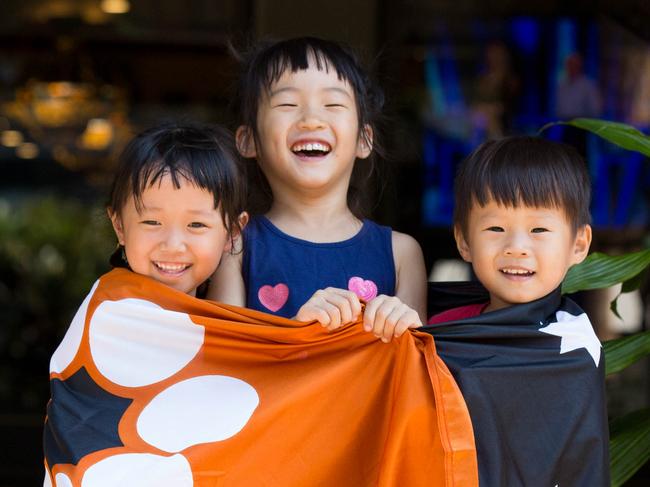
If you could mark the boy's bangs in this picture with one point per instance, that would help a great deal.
(526, 171)
(524, 189)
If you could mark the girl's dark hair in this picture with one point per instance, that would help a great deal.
(265, 65)
(204, 155)
(523, 170)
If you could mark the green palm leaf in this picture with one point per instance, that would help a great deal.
(620, 134)
(622, 352)
(629, 446)
(600, 271)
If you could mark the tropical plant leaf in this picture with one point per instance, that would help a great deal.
(620, 134)
(623, 352)
(613, 307)
(629, 446)
(600, 271)
(628, 286)
(635, 283)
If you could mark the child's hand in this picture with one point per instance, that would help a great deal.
(331, 307)
(388, 317)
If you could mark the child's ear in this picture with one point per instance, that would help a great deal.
(245, 142)
(364, 146)
(581, 244)
(234, 241)
(117, 225)
(461, 244)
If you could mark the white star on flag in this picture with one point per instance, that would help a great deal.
(576, 332)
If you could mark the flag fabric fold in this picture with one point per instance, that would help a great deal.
(151, 387)
(532, 376)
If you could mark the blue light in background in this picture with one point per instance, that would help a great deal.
(525, 33)
(566, 44)
(438, 103)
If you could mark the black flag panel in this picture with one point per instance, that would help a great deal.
(533, 378)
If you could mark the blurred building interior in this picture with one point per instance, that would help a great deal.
(79, 77)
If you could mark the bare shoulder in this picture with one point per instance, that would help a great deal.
(405, 247)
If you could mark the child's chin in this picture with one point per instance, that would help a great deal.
(185, 288)
(526, 298)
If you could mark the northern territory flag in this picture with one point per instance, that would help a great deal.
(533, 379)
(151, 387)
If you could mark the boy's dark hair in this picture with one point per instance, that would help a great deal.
(268, 61)
(204, 155)
(523, 170)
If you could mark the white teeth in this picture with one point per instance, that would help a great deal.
(311, 147)
(516, 271)
(171, 267)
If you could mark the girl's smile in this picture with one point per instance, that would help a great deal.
(174, 236)
(311, 149)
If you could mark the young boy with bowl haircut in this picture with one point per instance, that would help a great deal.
(526, 358)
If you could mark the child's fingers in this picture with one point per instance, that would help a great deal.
(344, 303)
(334, 315)
(390, 323)
(371, 310)
(384, 311)
(311, 312)
(408, 320)
(354, 303)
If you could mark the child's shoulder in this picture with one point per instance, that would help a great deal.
(404, 245)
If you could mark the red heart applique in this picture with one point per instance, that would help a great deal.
(273, 297)
(364, 289)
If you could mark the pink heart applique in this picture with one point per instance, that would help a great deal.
(273, 297)
(366, 290)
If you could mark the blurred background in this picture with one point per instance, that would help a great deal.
(79, 77)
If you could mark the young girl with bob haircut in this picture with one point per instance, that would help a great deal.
(176, 203)
(308, 117)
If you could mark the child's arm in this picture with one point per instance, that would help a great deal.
(227, 284)
(410, 273)
(391, 316)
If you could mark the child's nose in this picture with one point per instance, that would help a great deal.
(311, 119)
(173, 241)
(517, 246)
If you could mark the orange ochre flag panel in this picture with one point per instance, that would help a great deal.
(154, 387)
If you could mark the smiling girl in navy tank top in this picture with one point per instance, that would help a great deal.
(308, 118)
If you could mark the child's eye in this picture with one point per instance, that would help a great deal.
(150, 222)
(286, 105)
(539, 230)
(335, 105)
(197, 225)
(494, 229)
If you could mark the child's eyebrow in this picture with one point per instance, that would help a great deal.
(292, 89)
(201, 212)
(338, 90)
(279, 91)
(190, 211)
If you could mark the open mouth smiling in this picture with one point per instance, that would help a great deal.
(171, 269)
(311, 149)
(512, 272)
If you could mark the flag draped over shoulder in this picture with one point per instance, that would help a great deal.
(151, 387)
(533, 379)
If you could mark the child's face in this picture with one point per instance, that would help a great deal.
(308, 133)
(178, 236)
(520, 254)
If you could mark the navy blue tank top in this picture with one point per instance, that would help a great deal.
(282, 272)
